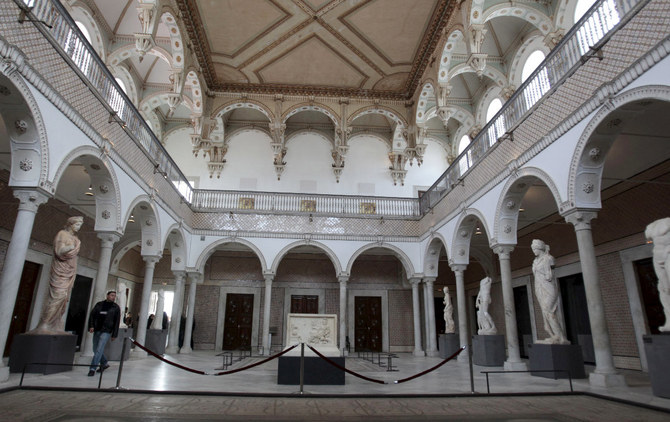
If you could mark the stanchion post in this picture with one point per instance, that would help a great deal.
(123, 356)
(302, 367)
(472, 379)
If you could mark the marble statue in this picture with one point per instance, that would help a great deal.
(546, 291)
(160, 304)
(659, 233)
(121, 289)
(449, 327)
(484, 320)
(63, 272)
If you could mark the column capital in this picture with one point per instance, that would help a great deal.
(429, 280)
(458, 267)
(194, 276)
(30, 200)
(581, 219)
(414, 281)
(179, 274)
(151, 259)
(343, 279)
(503, 250)
(108, 239)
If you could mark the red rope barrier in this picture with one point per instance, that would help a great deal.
(232, 371)
(348, 371)
(195, 371)
(431, 369)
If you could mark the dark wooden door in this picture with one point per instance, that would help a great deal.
(24, 300)
(304, 304)
(651, 302)
(76, 311)
(238, 323)
(575, 309)
(523, 324)
(368, 323)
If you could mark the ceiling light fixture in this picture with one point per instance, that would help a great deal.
(478, 231)
(89, 191)
(131, 219)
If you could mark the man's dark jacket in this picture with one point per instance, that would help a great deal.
(105, 317)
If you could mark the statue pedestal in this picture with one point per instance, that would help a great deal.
(556, 357)
(42, 348)
(449, 344)
(488, 350)
(657, 349)
(113, 348)
(156, 341)
(317, 371)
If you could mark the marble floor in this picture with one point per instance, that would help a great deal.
(245, 389)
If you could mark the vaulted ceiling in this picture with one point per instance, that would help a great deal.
(369, 48)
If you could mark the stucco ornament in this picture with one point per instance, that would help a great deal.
(150, 242)
(588, 187)
(484, 321)
(449, 326)
(103, 188)
(659, 233)
(26, 164)
(594, 154)
(547, 293)
(21, 126)
(510, 204)
(106, 214)
(507, 229)
(4, 90)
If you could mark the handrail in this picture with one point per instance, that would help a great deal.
(581, 43)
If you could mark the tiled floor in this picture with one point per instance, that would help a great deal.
(452, 378)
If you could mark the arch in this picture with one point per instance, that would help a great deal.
(482, 107)
(176, 43)
(243, 103)
(451, 41)
(507, 209)
(378, 109)
(107, 190)
(286, 249)
(156, 126)
(463, 235)
(26, 131)
(328, 138)
(117, 56)
(196, 92)
(242, 130)
(521, 11)
(124, 75)
(588, 160)
(120, 250)
(426, 98)
(321, 108)
(80, 12)
(388, 142)
(152, 101)
(176, 240)
(210, 249)
(456, 112)
(490, 72)
(146, 216)
(404, 259)
(432, 254)
(529, 46)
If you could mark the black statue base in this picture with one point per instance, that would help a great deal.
(449, 344)
(488, 350)
(564, 357)
(657, 349)
(50, 350)
(156, 341)
(317, 371)
(114, 348)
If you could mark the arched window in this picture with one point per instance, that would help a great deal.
(604, 19)
(582, 7)
(463, 143)
(84, 31)
(464, 162)
(498, 127)
(540, 83)
(122, 85)
(494, 108)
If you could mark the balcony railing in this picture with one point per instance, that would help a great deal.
(580, 43)
(342, 205)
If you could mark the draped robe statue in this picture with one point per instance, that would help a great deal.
(449, 326)
(546, 291)
(484, 320)
(659, 233)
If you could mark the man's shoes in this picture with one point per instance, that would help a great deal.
(103, 368)
(91, 372)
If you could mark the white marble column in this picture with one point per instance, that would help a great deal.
(29, 201)
(463, 333)
(431, 331)
(418, 351)
(107, 241)
(160, 307)
(343, 313)
(513, 362)
(177, 306)
(188, 332)
(267, 302)
(605, 374)
(141, 335)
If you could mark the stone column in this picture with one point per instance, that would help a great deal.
(141, 335)
(513, 362)
(463, 333)
(604, 375)
(29, 201)
(177, 306)
(343, 313)
(417, 316)
(107, 241)
(431, 332)
(266, 314)
(188, 332)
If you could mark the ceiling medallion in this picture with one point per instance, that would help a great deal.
(26, 164)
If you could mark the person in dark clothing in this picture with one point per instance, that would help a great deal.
(103, 323)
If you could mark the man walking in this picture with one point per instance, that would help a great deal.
(103, 323)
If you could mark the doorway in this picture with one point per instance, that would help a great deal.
(576, 314)
(23, 303)
(523, 322)
(368, 323)
(304, 304)
(76, 311)
(238, 323)
(651, 302)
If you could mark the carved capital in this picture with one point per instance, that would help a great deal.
(30, 200)
(503, 251)
(580, 219)
(108, 239)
